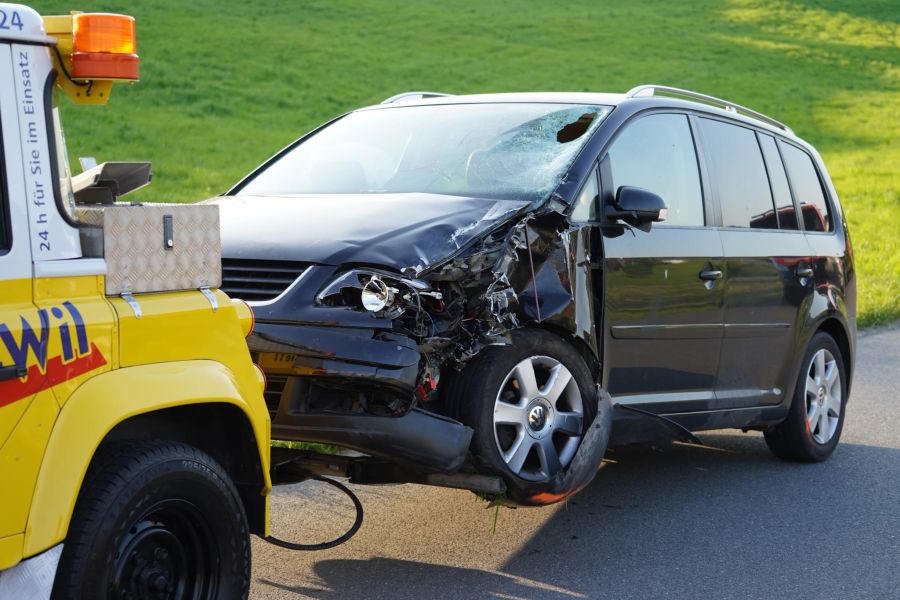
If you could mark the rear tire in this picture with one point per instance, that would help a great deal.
(812, 429)
(530, 404)
(155, 519)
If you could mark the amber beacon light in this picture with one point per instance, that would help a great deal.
(104, 47)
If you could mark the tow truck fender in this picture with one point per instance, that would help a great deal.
(102, 403)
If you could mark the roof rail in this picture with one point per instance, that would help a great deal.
(643, 91)
(414, 96)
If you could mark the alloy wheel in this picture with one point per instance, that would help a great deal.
(538, 418)
(823, 396)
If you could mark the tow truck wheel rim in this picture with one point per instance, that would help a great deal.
(168, 552)
(538, 418)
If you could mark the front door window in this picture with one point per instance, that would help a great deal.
(656, 153)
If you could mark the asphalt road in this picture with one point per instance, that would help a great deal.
(727, 521)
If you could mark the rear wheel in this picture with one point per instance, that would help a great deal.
(155, 520)
(530, 404)
(813, 427)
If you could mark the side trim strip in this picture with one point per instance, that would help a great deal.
(699, 395)
(752, 330)
(696, 331)
(668, 332)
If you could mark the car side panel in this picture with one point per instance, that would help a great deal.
(663, 324)
(766, 305)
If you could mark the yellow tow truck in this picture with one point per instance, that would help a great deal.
(134, 438)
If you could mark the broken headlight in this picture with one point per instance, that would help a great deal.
(378, 292)
(376, 295)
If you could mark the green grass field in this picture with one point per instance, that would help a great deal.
(226, 84)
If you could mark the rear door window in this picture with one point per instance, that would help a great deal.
(738, 175)
(807, 188)
(781, 191)
(657, 153)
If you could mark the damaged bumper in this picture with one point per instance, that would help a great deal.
(419, 440)
(343, 355)
(351, 387)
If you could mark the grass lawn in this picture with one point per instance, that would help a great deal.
(225, 84)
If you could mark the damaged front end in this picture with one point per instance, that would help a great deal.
(432, 233)
(365, 366)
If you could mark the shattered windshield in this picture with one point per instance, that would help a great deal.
(503, 151)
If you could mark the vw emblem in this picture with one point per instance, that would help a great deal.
(537, 417)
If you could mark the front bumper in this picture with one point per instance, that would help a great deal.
(348, 354)
(324, 381)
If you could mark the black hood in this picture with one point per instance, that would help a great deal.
(393, 230)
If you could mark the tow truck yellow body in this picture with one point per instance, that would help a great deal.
(85, 374)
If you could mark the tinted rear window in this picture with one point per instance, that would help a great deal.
(781, 191)
(738, 175)
(807, 188)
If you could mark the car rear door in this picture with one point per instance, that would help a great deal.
(767, 264)
(662, 289)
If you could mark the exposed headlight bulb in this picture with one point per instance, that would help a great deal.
(376, 295)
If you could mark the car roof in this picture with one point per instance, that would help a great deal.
(580, 98)
(514, 97)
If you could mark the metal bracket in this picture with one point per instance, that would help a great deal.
(129, 298)
(211, 297)
(168, 233)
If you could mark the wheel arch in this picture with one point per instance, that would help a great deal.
(579, 344)
(195, 402)
(226, 435)
(836, 329)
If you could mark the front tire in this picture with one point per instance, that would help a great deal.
(530, 404)
(812, 429)
(155, 519)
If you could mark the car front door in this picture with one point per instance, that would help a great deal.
(767, 264)
(662, 289)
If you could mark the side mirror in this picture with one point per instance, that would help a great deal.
(637, 207)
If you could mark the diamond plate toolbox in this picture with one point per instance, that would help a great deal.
(154, 247)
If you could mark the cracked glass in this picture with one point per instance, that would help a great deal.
(514, 151)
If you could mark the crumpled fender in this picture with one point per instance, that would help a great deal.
(580, 471)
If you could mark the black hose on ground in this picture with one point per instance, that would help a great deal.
(337, 541)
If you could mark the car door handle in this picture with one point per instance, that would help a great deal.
(12, 371)
(711, 275)
(804, 272)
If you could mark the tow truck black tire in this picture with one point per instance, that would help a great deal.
(155, 519)
(478, 391)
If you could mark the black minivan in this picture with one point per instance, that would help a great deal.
(504, 284)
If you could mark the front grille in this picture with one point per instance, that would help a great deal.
(249, 279)
(275, 385)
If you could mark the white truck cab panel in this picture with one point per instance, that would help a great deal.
(15, 251)
(29, 146)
